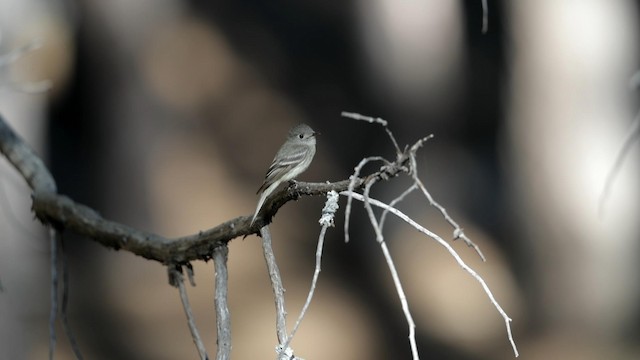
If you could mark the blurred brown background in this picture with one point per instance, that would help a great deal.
(165, 114)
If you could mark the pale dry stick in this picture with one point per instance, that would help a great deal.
(223, 317)
(328, 214)
(458, 232)
(53, 242)
(485, 17)
(451, 251)
(314, 282)
(352, 179)
(632, 135)
(393, 270)
(65, 301)
(373, 120)
(195, 335)
(393, 203)
(276, 284)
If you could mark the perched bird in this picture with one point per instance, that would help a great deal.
(291, 160)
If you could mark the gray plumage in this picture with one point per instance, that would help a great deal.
(293, 158)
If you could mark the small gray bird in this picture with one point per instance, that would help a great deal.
(292, 159)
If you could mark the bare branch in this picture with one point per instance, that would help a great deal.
(276, 284)
(373, 120)
(393, 203)
(352, 184)
(326, 220)
(458, 232)
(451, 251)
(64, 213)
(394, 272)
(177, 279)
(223, 317)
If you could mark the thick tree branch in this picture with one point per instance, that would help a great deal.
(64, 213)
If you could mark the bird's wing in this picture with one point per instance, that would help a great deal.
(282, 164)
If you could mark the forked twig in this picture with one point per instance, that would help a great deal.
(451, 251)
(409, 155)
(352, 180)
(393, 203)
(458, 232)
(392, 268)
(373, 120)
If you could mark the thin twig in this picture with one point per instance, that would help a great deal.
(451, 251)
(632, 135)
(276, 284)
(373, 120)
(353, 178)
(393, 270)
(393, 203)
(65, 301)
(178, 280)
(326, 220)
(458, 232)
(314, 281)
(53, 242)
(369, 119)
(223, 317)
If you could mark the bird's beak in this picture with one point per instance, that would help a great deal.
(316, 133)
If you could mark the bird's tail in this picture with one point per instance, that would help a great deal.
(263, 197)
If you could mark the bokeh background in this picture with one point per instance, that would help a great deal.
(165, 114)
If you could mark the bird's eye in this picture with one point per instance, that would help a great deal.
(301, 136)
